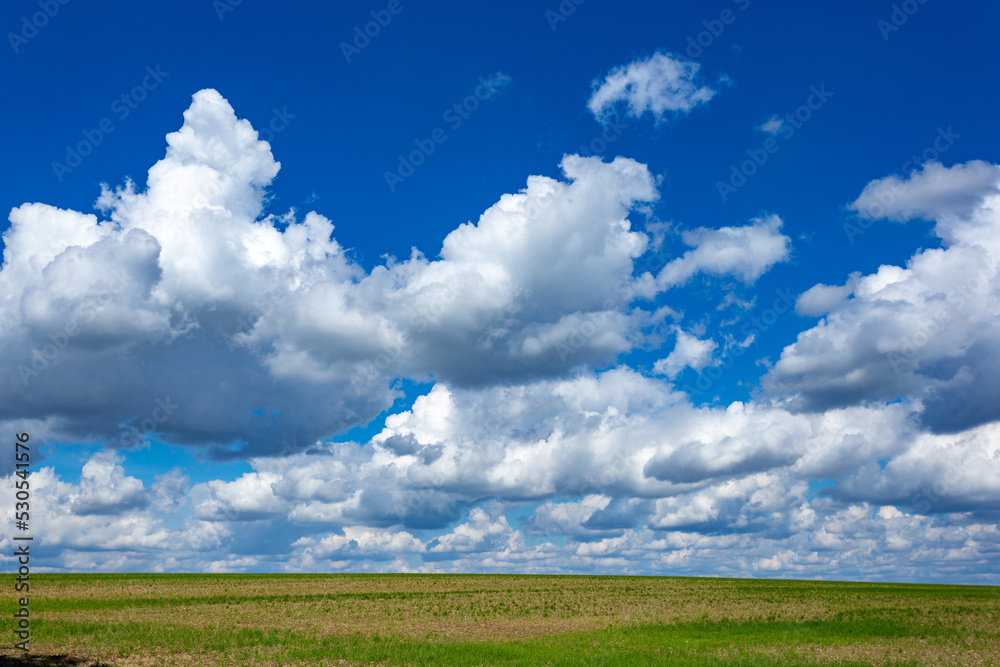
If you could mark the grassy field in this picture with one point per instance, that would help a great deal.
(469, 620)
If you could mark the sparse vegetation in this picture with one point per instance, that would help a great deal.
(470, 620)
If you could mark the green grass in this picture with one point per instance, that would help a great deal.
(474, 620)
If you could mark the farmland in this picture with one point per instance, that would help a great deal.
(153, 619)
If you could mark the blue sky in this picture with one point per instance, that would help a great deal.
(568, 287)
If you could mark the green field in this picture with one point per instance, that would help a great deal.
(150, 619)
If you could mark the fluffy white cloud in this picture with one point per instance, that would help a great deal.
(821, 299)
(744, 252)
(937, 473)
(135, 326)
(359, 542)
(757, 502)
(482, 532)
(660, 84)
(933, 192)
(607, 439)
(927, 331)
(568, 518)
(105, 489)
(110, 512)
(689, 352)
(247, 498)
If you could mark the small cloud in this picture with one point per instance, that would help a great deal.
(731, 300)
(494, 84)
(689, 352)
(660, 84)
(743, 252)
(773, 125)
